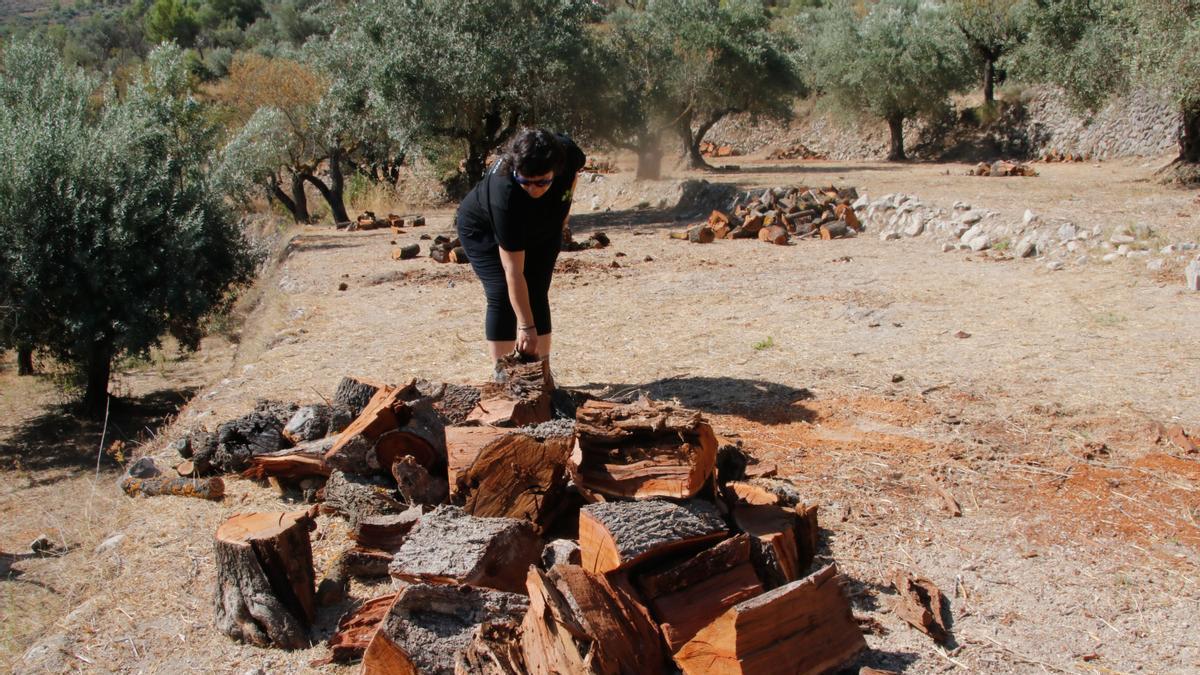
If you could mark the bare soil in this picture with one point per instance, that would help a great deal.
(1077, 545)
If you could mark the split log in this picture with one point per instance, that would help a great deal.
(390, 428)
(429, 625)
(201, 488)
(355, 393)
(416, 221)
(415, 485)
(458, 255)
(579, 623)
(406, 252)
(521, 398)
(845, 213)
(804, 627)
(774, 550)
(920, 603)
(355, 629)
(495, 649)
(641, 450)
(720, 224)
(302, 461)
(463, 445)
(386, 532)
(516, 476)
(619, 535)
(265, 593)
(690, 595)
(395, 221)
(770, 491)
(356, 497)
(774, 235)
(450, 547)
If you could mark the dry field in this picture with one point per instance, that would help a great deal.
(1077, 544)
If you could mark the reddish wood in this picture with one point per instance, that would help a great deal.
(774, 235)
(619, 535)
(701, 234)
(805, 627)
(386, 430)
(516, 476)
(355, 630)
(919, 602)
(463, 445)
(775, 552)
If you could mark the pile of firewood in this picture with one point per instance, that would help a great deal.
(599, 165)
(797, 151)
(625, 537)
(1051, 156)
(594, 240)
(710, 149)
(367, 221)
(776, 215)
(1002, 168)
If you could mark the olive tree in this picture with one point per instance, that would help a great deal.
(113, 231)
(901, 59)
(469, 73)
(992, 29)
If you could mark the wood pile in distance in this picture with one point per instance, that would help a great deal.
(779, 215)
(1002, 168)
(795, 151)
(711, 149)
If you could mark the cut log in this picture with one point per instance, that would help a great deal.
(619, 535)
(688, 596)
(495, 649)
(463, 445)
(774, 549)
(522, 398)
(415, 485)
(256, 433)
(429, 625)
(920, 603)
(770, 491)
(265, 593)
(355, 394)
(388, 429)
(846, 214)
(201, 488)
(406, 252)
(356, 497)
(805, 627)
(294, 463)
(561, 552)
(416, 221)
(579, 623)
(450, 547)
(701, 234)
(720, 224)
(355, 629)
(774, 235)
(516, 476)
(834, 230)
(641, 450)
(459, 255)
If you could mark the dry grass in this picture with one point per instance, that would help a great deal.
(1065, 559)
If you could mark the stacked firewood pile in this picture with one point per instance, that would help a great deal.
(599, 165)
(797, 151)
(711, 149)
(522, 537)
(1002, 168)
(368, 221)
(1051, 156)
(776, 215)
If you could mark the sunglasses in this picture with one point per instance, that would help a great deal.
(541, 182)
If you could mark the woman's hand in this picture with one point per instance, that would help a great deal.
(527, 340)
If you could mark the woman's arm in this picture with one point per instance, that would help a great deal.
(518, 296)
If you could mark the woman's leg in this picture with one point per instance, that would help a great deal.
(500, 322)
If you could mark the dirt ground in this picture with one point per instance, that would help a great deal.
(840, 361)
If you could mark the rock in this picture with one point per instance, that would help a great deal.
(1067, 232)
(962, 206)
(1025, 249)
(1083, 235)
(1072, 246)
(144, 467)
(1124, 249)
(1054, 265)
(946, 248)
(595, 203)
(980, 242)
(1028, 218)
(1120, 239)
(888, 236)
(915, 227)
(1109, 257)
(109, 544)
(971, 233)
(1155, 265)
(1192, 276)
(1138, 254)
(1167, 250)
(971, 217)
(861, 203)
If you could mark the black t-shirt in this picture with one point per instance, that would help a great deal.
(498, 211)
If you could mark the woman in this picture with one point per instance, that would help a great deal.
(511, 225)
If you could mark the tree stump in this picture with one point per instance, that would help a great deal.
(265, 592)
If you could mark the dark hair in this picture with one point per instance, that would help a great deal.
(533, 152)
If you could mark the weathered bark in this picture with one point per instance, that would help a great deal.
(989, 80)
(691, 594)
(265, 592)
(896, 127)
(495, 649)
(620, 535)
(355, 393)
(429, 625)
(333, 192)
(579, 623)
(99, 369)
(355, 497)
(1189, 139)
(307, 424)
(919, 602)
(805, 627)
(450, 547)
(415, 485)
(24, 360)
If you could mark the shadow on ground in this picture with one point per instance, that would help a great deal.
(756, 400)
(815, 168)
(651, 218)
(61, 439)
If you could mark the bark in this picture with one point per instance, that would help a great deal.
(1189, 140)
(24, 360)
(99, 368)
(334, 192)
(692, 157)
(620, 535)
(299, 200)
(896, 126)
(989, 80)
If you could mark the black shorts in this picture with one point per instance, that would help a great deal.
(500, 321)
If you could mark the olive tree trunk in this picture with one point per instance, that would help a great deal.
(896, 126)
(99, 369)
(24, 360)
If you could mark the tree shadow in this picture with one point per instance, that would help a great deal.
(756, 400)
(62, 439)
(809, 168)
(317, 242)
(627, 219)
